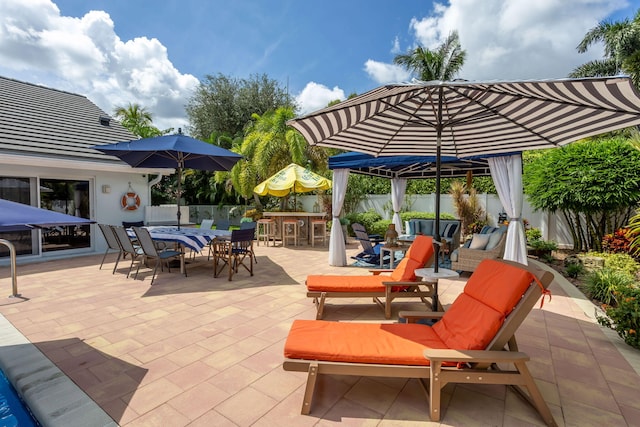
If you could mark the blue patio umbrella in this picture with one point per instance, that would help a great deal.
(20, 217)
(172, 151)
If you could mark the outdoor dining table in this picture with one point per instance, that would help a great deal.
(303, 216)
(193, 238)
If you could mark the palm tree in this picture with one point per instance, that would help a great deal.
(621, 41)
(442, 63)
(138, 120)
(270, 145)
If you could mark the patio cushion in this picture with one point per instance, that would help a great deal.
(417, 255)
(394, 344)
(494, 239)
(488, 283)
(335, 283)
(478, 313)
(479, 241)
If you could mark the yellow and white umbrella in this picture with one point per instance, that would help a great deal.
(292, 179)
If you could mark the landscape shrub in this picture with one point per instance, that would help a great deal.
(367, 219)
(623, 262)
(619, 242)
(574, 270)
(406, 216)
(602, 284)
(379, 227)
(623, 316)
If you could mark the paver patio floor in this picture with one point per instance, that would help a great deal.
(203, 351)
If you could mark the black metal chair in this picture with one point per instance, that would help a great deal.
(233, 252)
(250, 225)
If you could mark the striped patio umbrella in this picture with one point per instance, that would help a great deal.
(464, 118)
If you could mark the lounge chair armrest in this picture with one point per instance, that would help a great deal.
(400, 283)
(413, 316)
(474, 356)
(377, 271)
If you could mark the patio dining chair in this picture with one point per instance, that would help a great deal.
(250, 225)
(112, 245)
(151, 251)
(206, 224)
(127, 245)
(222, 224)
(233, 252)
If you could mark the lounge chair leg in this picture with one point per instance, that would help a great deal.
(387, 302)
(434, 390)
(320, 305)
(534, 397)
(312, 377)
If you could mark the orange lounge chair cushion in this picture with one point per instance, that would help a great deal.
(420, 251)
(391, 344)
(328, 283)
(491, 281)
(491, 293)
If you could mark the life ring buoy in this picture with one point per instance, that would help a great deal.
(130, 202)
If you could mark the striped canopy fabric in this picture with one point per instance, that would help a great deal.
(473, 118)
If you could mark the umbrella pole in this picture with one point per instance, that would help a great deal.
(179, 193)
(437, 227)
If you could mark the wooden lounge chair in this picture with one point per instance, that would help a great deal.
(402, 283)
(464, 346)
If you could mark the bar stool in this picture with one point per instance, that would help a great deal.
(322, 231)
(266, 229)
(290, 231)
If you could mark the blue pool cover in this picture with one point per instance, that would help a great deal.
(13, 412)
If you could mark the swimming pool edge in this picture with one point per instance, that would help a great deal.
(52, 397)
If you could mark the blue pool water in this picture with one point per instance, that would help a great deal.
(13, 412)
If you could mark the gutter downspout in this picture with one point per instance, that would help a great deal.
(151, 183)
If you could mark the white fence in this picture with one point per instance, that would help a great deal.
(553, 227)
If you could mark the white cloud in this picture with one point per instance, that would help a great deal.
(518, 39)
(395, 49)
(315, 96)
(383, 73)
(85, 55)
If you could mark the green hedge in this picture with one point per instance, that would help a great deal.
(406, 216)
(367, 219)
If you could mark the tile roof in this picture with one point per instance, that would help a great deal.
(44, 122)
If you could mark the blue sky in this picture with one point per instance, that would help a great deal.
(155, 52)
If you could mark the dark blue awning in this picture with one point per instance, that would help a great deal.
(409, 166)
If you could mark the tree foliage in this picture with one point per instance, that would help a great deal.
(621, 40)
(595, 184)
(443, 63)
(223, 105)
(268, 146)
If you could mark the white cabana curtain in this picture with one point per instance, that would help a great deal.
(337, 249)
(398, 188)
(506, 172)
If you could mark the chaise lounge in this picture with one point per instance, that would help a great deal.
(402, 283)
(465, 345)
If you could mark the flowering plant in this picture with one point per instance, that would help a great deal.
(623, 316)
